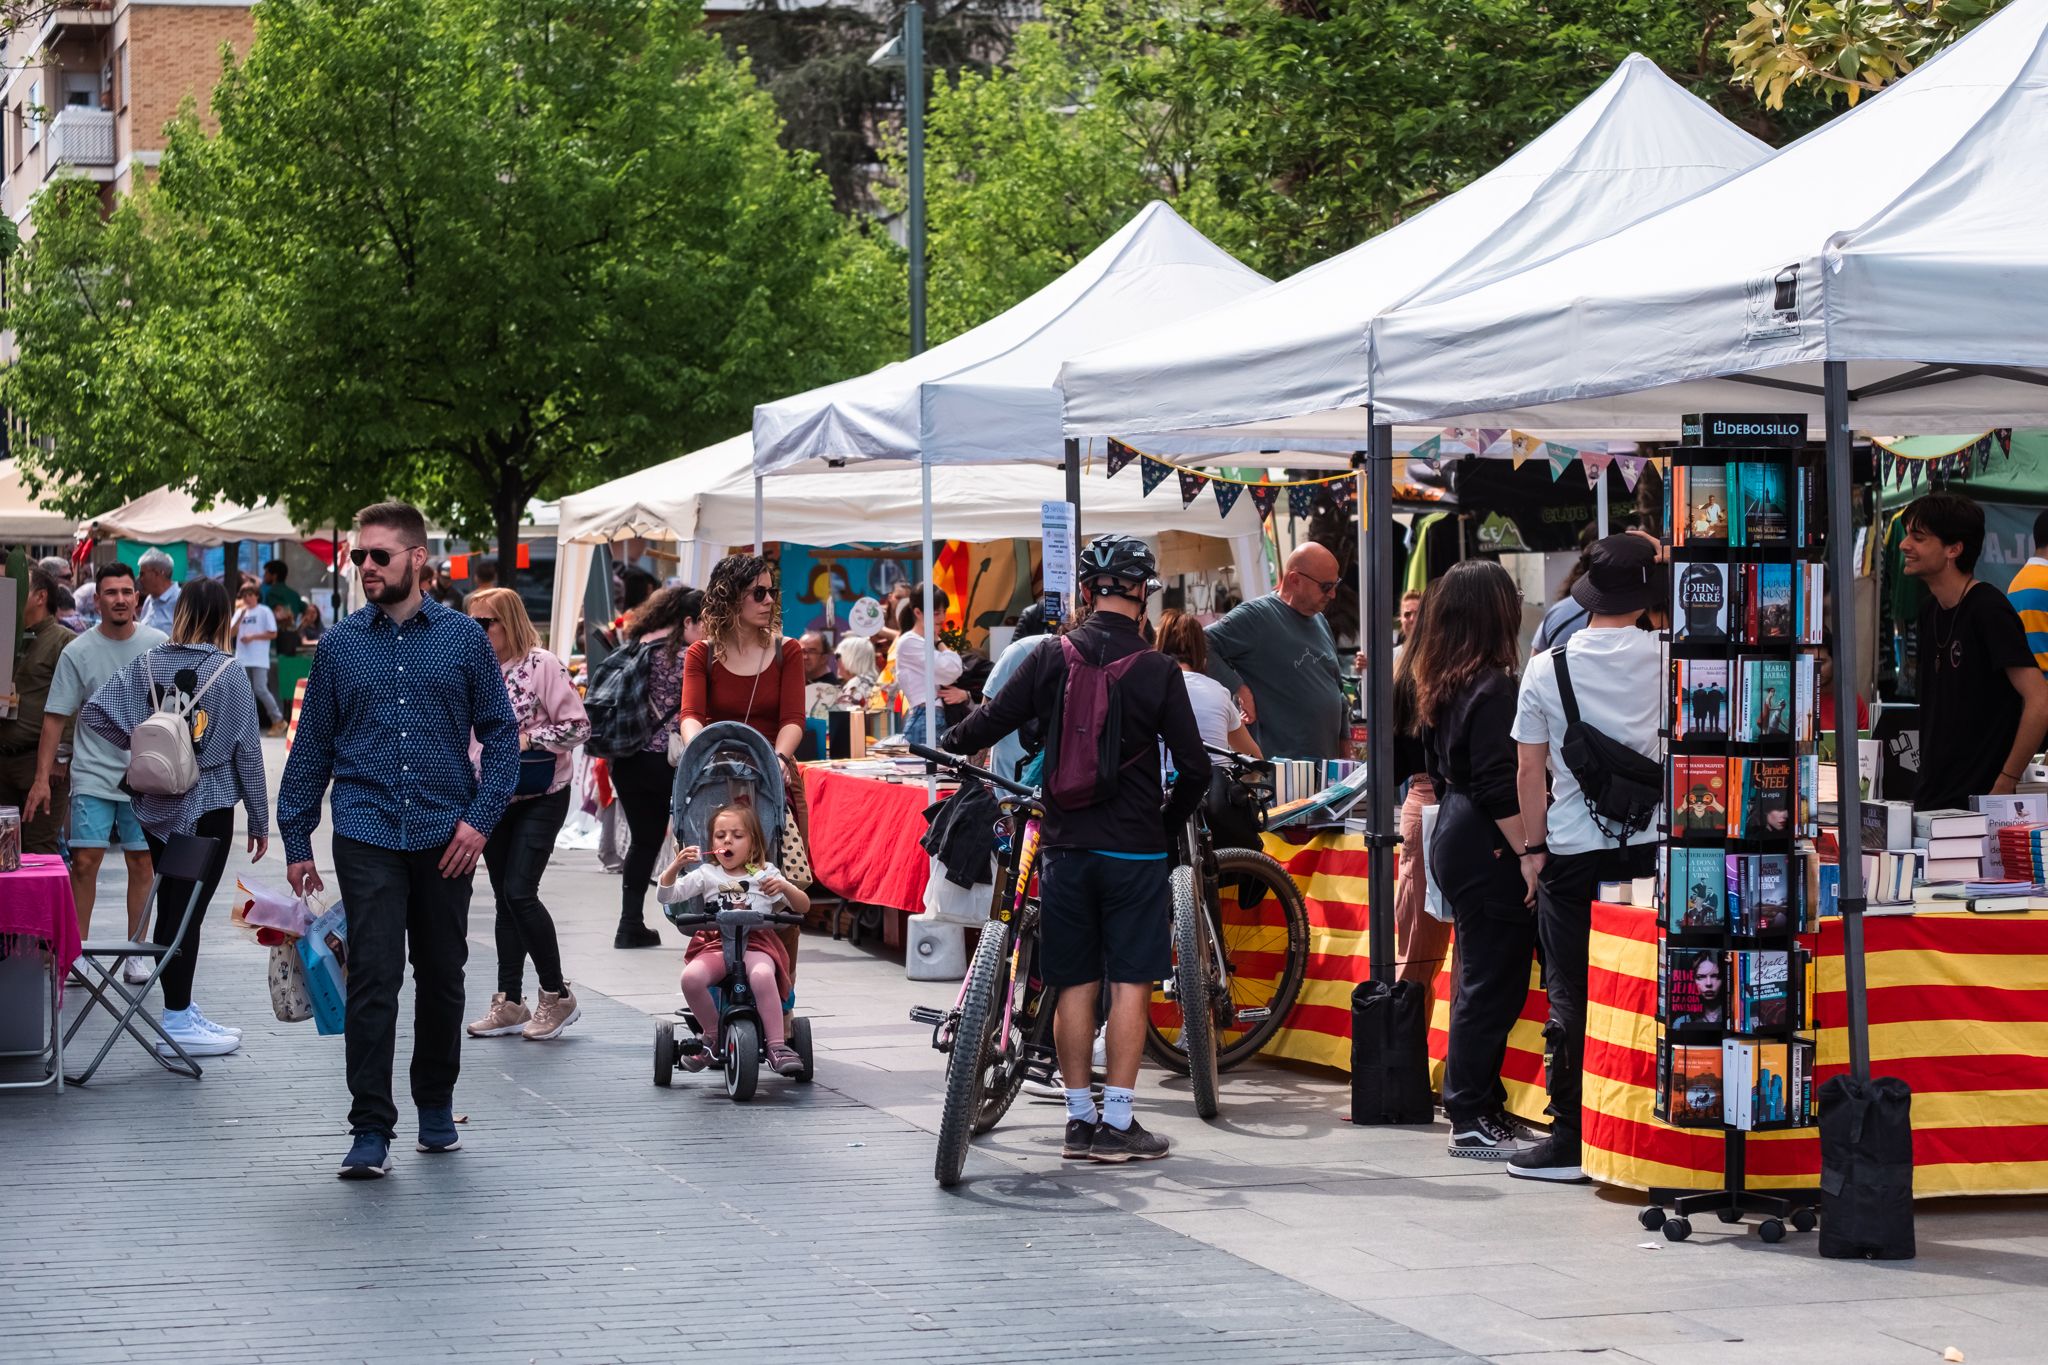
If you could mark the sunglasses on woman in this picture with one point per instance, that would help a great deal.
(378, 557)
(485, 621)
(761, 594)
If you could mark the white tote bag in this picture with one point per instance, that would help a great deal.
(1433, 897)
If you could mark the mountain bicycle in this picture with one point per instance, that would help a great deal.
(999, 1031)
(1240, 936)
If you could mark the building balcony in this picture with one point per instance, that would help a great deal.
(81, 137)
(73, 16)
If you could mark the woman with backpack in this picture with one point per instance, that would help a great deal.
(666, 624)
(195, 681)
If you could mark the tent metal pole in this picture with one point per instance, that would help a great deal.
(931, 635)
(1600, 505)
(760, 517)
(1073, 467)
(1377, 618)
(1842, 625)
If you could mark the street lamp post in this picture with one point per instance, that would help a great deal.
(906, 50)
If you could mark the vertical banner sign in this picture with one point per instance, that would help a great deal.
(1056, 532)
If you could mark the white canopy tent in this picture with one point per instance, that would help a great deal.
(168, 515)
(1902, 239)
(1290, 363)
(22, 520)
(705, 501)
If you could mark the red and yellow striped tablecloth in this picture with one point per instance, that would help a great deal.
(1958, 1009)
(1330, 870)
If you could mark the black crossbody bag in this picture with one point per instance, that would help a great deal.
(1621, 788)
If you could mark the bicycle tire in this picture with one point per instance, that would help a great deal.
(1234, 1046)
(1191, 971)
(966, 1064)
(1005, 1070)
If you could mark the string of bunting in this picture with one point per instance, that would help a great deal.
(1961, 463)
(1338, 491)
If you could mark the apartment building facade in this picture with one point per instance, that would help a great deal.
(89, 88)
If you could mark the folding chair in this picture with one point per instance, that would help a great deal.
(186, 858)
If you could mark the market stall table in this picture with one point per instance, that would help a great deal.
(1958, 1010)
(864, 840)
(37, 915)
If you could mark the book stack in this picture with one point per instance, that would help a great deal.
(1328, 806)
(2002, 813)
(1951, 843)
(2021, 851)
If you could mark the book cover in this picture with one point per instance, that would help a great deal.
(1887, 824)
(1769, 909)
(1705, 518)
(2007, 812)
(1700, 604)
(1693, 992)
(1737, 1092)
(1770, 616)
(1766, 515)
(1699, 704)
(1695, 1085)
(1699, 794)
(1698, 891)
(1766, 700)
(1762, 996)
(1771, 1067)
(1760, 804)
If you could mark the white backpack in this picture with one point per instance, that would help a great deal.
(161, 759)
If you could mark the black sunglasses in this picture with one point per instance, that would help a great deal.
(379, 557)
(760, 594)
(1328, 586)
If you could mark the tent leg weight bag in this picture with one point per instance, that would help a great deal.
(1390, 1055)
(1866, 1169)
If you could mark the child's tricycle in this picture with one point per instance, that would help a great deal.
(739, 1046)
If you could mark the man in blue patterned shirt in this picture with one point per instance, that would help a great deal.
(396, 692)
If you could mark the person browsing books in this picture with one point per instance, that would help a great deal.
(1617, 673)
(1983, 699)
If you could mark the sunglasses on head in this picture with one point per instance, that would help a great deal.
(378, 557)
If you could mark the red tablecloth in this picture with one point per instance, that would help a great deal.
(35, 903)
(864, 835)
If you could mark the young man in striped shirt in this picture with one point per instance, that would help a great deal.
(2028, 593)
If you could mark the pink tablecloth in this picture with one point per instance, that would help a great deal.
(35, 903)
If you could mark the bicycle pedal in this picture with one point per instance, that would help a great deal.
(1255, 1015)
(926, 1015)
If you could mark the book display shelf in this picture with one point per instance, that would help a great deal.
(1738, 878)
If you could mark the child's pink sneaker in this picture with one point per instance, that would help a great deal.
(784, 1060)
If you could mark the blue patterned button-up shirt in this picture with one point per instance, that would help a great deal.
(388, 715)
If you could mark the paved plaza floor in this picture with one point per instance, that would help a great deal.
(594, 1217)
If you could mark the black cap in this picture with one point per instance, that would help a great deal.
(1620, 576)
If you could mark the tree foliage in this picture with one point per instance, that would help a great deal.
(1847, 47)
(463, 251)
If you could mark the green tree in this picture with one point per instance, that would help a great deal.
(1847, 47)
(464, 251)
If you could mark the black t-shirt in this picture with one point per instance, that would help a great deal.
(1969, 713)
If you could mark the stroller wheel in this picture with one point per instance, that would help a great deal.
(800, 1040)
(664, 1053)
(742, 1058)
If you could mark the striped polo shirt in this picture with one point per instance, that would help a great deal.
(2029, 594)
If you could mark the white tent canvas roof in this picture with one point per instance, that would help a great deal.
(1903, 235)
(989, 396)
(168, 515)
(1290, 363)
(22, 520)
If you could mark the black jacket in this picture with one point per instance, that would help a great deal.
(1470, 751)
(963, 833)
(1155, 709)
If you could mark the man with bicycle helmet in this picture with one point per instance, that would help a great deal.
(1103, 896)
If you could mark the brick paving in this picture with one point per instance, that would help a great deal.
(590, 1217)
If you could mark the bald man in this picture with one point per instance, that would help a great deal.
(1276, 652)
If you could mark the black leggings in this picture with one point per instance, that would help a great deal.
(171, 895)
(516, 855)
(645, 785)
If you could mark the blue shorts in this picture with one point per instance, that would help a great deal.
(1104, 916)
(99, 821)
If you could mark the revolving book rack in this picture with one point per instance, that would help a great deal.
(1738, 876)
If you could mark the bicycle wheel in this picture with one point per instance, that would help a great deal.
(1265, 955)
(1005, 1068)
(967, 1064)
(1193, 983)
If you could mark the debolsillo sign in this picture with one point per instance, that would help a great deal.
(1742, 430)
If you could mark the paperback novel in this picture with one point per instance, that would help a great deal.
(1692, 988)
(1689, 1084)
(1697, 900)
(1702, 495)
(1761, 797)
(1699, 794)
(1700, 700)
(1700, 604)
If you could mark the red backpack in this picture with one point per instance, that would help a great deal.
(1084, 743)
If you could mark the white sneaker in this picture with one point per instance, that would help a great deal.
(135, 971)
(195, 1039)
(1101, 1059)
(225, 1030)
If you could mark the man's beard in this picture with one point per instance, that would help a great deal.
(395, 591)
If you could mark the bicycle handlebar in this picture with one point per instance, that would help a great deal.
(939, 758)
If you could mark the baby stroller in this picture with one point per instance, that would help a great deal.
(728, 764)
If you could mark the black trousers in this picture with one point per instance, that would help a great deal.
(171, 895)
(1496, 943)
(399, 906)
(1564, 903)
(516, 855)
(645, 785)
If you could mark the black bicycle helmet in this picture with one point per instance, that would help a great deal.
(1125, 558)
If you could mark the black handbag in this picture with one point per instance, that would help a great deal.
(1390, 1054)
(536, 772)
(1866, 1169)
(1621, 787)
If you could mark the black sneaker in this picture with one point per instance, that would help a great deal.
(1484, 1139)
(1524, 1133)
(1080, 1138)
(1554, 1159)
(636, 936)
(1114, 1145)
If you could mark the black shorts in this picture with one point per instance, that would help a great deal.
(1104, 917)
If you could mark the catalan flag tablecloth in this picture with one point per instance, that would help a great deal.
(1958, 1009)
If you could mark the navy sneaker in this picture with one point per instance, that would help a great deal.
(369, 1158)
(437, 1131)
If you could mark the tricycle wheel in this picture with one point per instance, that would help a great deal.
(742, 1058)
(664, 1053)
(800, 1040)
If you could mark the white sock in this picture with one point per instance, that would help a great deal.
(1081, 1105)
(1116, 1106)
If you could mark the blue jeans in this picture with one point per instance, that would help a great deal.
(917, 727)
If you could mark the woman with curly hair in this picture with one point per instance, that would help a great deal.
(670, 620)
(744, 669)
(1463, 667)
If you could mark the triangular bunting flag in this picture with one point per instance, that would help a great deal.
(1561, 458)
(1522, 445)
(1227, 494)
(1343, 494)
(1431, 450)
(1487, 436)
(1119, 456)
(1190, 485)
(1153, 472)
(1631, 469)
(1301, 500)
(1596, 467)
(1264, 495)
(2004, 436)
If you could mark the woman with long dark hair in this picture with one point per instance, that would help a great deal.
(1422, 939)
(227, 741)
(1463, 664)
(745, 669)
(671, 621)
